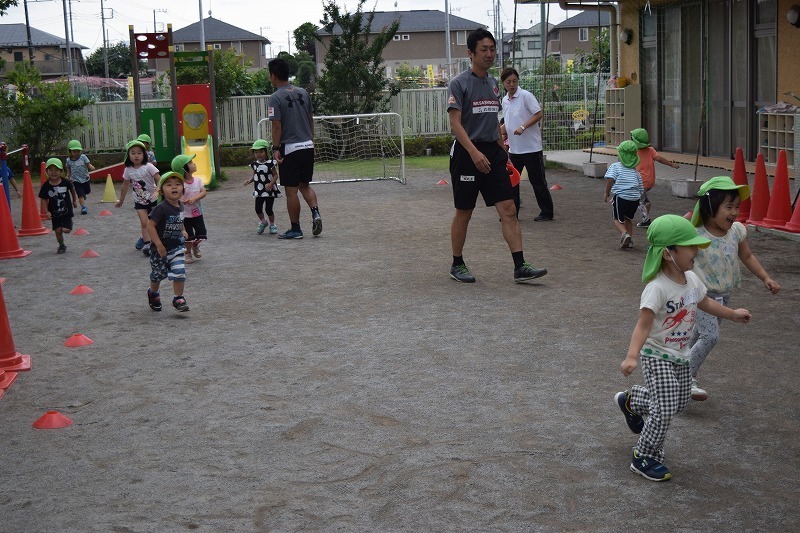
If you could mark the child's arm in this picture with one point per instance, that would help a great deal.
(89, 165)
(272, 183)
(156, 178)
(122, 193)
(640, 333)
(43, 208)
(152, 230)
(13, 183)
(664, 161)
(74, 196)
(752, 264)
(713, 308)
(609, 184)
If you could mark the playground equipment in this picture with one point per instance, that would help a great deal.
(193, 114)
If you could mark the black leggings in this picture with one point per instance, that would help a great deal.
(264, 204)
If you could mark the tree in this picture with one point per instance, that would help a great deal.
(5, 4)
(119, 62)
(352, 80)
(305, 35)
(230, 75)
(42, 114)
(601, 52)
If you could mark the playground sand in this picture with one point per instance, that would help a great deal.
(346, 383)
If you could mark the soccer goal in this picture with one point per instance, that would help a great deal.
(365, 147)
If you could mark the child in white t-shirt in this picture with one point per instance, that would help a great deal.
(193, 192)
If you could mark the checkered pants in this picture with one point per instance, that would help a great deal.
(666, 392)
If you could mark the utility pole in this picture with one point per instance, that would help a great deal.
(155, 27)
(447, 39)
(105, 40)
(71, 26)
(289, 40)
(28, 30)
(202, 28)
(66, 35)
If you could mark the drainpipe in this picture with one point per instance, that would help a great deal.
(613, 9)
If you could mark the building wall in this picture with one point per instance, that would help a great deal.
(49, 60)
(788, 55)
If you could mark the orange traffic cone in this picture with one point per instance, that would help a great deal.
(9, 245)
(31, 221)
(794, 224)
(77, 340)
(11, 360)
(42, 179)
(740, 178)
(52, 420)
(780, 204)
(759, 194)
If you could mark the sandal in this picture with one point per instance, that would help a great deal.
(179, 303)
(154, 300)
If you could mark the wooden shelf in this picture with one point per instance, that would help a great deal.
(776, 132)
(623, 113)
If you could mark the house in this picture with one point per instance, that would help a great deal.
(49, 51)
(526, 49)
(220, 36)
(576, 33)
(420, 42)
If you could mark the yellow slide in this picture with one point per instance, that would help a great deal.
(204, 159)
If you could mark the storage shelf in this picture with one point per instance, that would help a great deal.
(779, 131)
(623, 113)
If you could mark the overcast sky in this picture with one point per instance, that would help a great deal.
(263, 17)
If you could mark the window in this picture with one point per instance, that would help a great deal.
(555, 35)
(17, 57)
(583, 34)
(396, 38)
(535, 45)
(179, 48)
(217, 46)
(461, 37)
(406, 37)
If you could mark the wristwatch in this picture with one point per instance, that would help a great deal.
(523, 128)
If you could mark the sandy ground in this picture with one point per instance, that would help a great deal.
(345, 383)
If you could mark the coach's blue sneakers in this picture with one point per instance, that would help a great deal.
(292, 233)
(461, 273)
(635, 422)
(649, 468)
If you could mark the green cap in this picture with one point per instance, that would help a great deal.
(627, 154)
(668, 230)
(179, 161)
(54, 162)
(133, 143)
(260, 144)
(640, 138)
(74, 144)
(169, 175)
(145, 138)
(721, 183)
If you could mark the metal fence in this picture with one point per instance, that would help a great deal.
(568, 101)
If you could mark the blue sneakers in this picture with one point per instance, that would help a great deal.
(139, 244)
(635, 422)
(649, 468)
(291, 233)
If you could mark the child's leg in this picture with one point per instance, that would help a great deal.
(200, 234)
(704, 337)
(177, 287)
(260, 208)
(268, 207)
(142, 214)
(59, 235)
(628, 225)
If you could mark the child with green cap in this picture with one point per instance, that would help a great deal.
(193, 192)
(624, 185)
(78, 168)
(718, 265)
(265, 185)
(55, 201)
(647, 169)
(147, 141)
(667, 312)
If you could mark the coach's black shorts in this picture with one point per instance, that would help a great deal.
(623, 209)
(297, 167)
(468, 181)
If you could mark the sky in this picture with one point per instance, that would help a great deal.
(258, 16)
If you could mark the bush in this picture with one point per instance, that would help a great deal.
(415, 146)
(234, 156)
(440, 145)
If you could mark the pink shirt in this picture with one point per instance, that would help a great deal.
(647, 166)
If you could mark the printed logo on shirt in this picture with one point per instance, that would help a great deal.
(270, 112)
(451, 100)
(485, 106)
(496, 90)
(467, 178)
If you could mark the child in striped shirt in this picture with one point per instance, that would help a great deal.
(624, 185)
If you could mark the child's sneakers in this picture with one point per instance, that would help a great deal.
(635, 422)
(139, 244)
(196, 250)
(146, 249)
(273, 229)
(154, 300)
(649, 468)
(262, 226)
(698, 394)
(62, 248)
(644, 223)
(83, 210)
(625, 241)
(179, 303)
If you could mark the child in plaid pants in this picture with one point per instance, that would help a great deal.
(667, 313)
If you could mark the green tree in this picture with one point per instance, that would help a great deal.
(42, 114)
(119, 62)
(291, 61)
(352, 80)
(230, 75)
(601, 53)
(305, 36)
(261, 83)
(5, 4)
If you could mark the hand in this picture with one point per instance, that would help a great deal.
(276, 155)
(772, 285)
(741, 316)
(248, 182)
(481, 162)
(605, 198)
(628, 366)
(518, 131)
(19, 195)
(269, 186)
(49, 215)
(74, 205)
(161, 250)
(189, 201)
(119, 203)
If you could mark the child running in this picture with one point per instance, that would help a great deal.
(265, 182)
(167, 235)
(147, 141)
(54, 196)
(718, 265)
(193, 192)
(647, 170)
(142, 177)
(624, 184)
(661, 338)
(78, 168)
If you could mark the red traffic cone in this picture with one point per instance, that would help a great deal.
(780, 204)
(513, 174)
(31, 221)
(740, 178)
(9, 245)
(441, 182)
(10, 359)
(556, 187)
(106, 213)
(42, 179)
(52, 420)
(760, 193)
(81, 289)
(89, 253)
(78, 340)
(80, 231)
(6, 379)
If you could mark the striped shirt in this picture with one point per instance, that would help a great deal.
(627, 182)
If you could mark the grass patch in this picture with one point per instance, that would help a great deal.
(440, 162)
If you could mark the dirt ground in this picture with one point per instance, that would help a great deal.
(346, 383)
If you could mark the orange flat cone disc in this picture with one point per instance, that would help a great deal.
(441, 182)
(105, 213)
(90, 253)
(688, 216)
(81, 289)
(80, 231)
(556, 187)
(78, 340)
(52, 420)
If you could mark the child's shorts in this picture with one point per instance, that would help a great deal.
(149, 206)
(195, 228)
(622, 209)
(82, 189)
(172, 267)
(62, 222)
